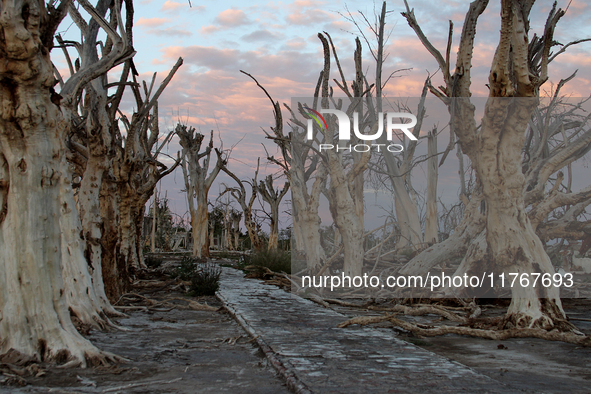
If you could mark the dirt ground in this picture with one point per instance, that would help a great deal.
(174, 350)
(532, 365)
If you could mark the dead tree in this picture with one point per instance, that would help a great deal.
(195, 165)
(92, 114)
(95, 142)
(236, 216)
(398, 165)
(40, 240)
(129, 183)
(299, 167)
(273, 198)
(431, 235)
(344, 188)
(507, 241)
(240, 195)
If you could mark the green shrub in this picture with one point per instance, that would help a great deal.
(205, 280)
(204, 276)
(276, 260)
(186, 269)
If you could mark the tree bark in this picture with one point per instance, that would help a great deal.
(431, 228)
(273, 198)
(39, 223)
(195, 165)
(116, 273)
(200, 227)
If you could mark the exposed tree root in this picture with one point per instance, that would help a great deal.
(423, 310)
(319, 300)
(349, 304)
(419, 310)
(150, 304)
(553, 335)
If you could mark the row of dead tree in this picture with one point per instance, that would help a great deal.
(76, 172)
(66, 253)
(520, 150)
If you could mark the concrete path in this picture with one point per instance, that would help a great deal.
(301, 340)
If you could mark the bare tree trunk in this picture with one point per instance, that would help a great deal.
(200, 225)
(34, 297)
(431, 228)
(38, 219)
(116, 273)
(195, 165)
(154, 218)
(89, 209)
(519, 68)
(251, 227)
(236, 216)
(273, 198)
(512, 245)
(349, 226)
(239, 194)
(306, 221)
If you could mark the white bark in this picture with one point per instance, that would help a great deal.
(306, 222)
(273, 198)
(236, 216)
(512, 245)
(40, 251)
(431, 228)
(195, 165)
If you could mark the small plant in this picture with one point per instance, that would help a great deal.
(153, 261)
(205, 280)
(276, 260)
(186, 269)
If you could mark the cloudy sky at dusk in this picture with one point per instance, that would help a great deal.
(277, 43)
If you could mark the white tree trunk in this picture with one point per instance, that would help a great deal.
(431, 228)
(90, 215)
(306, 222)
(345, 215)
(35, 297)
(274, 228)
(39, 223)
(350, 228)
(512, 245)
(199, 223)
(195, 165)
(236, 219)
(114, 266)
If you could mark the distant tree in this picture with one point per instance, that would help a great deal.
(195, 165)
(273, 198)
(240, 195)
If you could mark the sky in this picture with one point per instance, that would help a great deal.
(277, 43)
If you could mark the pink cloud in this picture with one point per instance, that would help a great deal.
(151, 22)
(232, 17)
(172, 6)
(209, 29)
